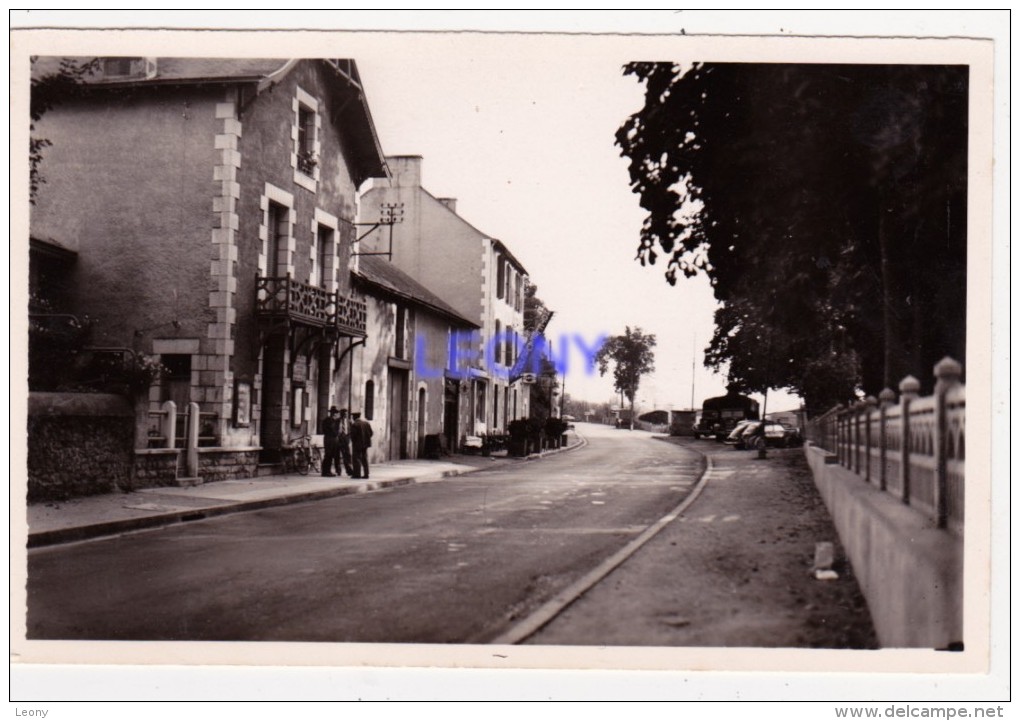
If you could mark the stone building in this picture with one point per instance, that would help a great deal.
(473, 272)
(202, 211)
(409, 383)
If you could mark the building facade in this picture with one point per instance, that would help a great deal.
(209, 207)
(409, 387)
(473, 272)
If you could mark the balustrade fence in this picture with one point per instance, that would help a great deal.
(913, 448)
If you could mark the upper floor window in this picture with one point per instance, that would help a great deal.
(278, 232)
(400, 333)
(129, 67)
(305, 133)
(500, 275)
(323, 254)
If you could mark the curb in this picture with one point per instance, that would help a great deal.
(542, 616)
(127, 525)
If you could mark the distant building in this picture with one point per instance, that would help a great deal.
(473, 272)
(202, 210)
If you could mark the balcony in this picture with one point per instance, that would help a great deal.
(351, 316)
(285, 299)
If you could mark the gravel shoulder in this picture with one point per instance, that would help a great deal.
(735, 570)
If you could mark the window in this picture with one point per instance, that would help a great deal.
(278, 230)
(369, 400)
(305, 129)
(306, 159)
(508, 295)
(480, 404)
(323, 251)
(495, 407)
(118, 66)
(497, 344)
(400, 333)
(500, 275)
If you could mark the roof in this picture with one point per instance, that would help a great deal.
(509, 256)
(383, 275)
(263, 73)
(176, 70)
(52, 248)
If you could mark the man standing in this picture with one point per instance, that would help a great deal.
(331, 430)
(345, 442)
(361, 441)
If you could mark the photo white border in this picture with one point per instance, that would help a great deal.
(883, 669)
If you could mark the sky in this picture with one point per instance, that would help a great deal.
(521, 132)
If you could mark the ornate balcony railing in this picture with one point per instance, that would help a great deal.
(351, 316)
(286, 298)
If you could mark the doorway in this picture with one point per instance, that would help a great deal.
(421, 422)
(398, 414)
(451, 411)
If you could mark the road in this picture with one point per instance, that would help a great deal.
(462, 560)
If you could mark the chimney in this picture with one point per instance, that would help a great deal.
(406, 170)
(450, 203)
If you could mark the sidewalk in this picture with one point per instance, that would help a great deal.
(79, 519)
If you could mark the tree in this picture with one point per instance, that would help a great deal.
(827, 206)
(631, 356)
(58, 81)
(534, 308)
(535, 357)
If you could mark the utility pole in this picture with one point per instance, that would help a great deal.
(694, 346)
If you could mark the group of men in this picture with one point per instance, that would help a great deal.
(347, 442)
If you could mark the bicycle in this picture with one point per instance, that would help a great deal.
(301, 456)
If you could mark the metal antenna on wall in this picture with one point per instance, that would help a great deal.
(389, 215)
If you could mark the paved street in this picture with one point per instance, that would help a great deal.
(461, 560)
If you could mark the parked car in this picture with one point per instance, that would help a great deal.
(738, 430)
(777, 434)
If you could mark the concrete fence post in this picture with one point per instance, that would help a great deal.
(947, 374)
(869, 405)
(886, 398)
(194, 424)
(845, 435)
(909, 388)
(858, 409)
(169, 421)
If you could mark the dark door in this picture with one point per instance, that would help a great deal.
(398, 414)
(451, 411)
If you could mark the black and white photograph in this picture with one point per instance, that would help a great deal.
(522, 352)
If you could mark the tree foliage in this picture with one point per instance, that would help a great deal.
(827, 206)
(534, 308)
(631, 357)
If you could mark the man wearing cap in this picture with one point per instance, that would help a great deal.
(334, 433)
(361, 441)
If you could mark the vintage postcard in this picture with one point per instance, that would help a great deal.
(664, 352)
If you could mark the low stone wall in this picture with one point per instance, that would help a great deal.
(79, 444)
(219, 464)
(910, 572)
(157, 467)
